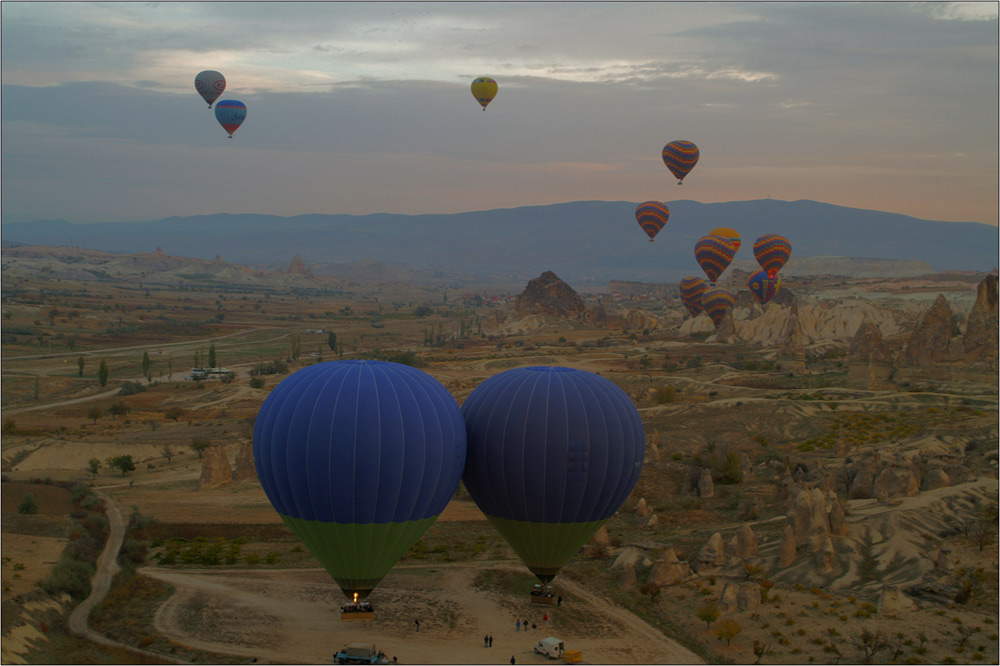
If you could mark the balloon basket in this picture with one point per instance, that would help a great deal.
(355, 612)
(543, 595)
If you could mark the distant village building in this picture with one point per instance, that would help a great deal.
(200, 374)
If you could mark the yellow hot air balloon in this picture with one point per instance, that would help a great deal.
(484, 89)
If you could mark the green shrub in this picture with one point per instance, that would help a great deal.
(28, 505)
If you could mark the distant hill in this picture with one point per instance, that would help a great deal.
(582, 241)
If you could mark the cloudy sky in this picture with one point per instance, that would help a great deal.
(365, 107)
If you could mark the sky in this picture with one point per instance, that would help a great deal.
(366, 107)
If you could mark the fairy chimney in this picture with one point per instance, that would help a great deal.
(215, 469)
(244, 468)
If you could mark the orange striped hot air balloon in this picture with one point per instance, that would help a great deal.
(652, 216)
(692, 288)
(717, 301)
(714, 254)
(680, 157)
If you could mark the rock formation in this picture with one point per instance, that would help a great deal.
(641, 509)
(628, 578)
(244, 467)
(547, 294)
(892, 602)
(743, 545)
(706, 488)
(739, 596)
(669, 570)
(793, 343)
(712, 556)
(930, 341)
(215, 469)
(787, 549)
(935, 478)
(633, 554)
(298, 267)
(870, 361)
(600, 538)
(979, 345)
(826, 556)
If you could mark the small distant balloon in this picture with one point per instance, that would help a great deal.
(484, 89)
(717, 302)
(714, 254)
(210, 84)
(652, 216)
(762, 287)
(730, 235)
(230, 113)
(680, 157)
(692, 288)
(772, 251)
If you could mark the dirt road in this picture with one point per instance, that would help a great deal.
(292, 616)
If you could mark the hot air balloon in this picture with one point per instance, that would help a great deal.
(359, 458)
(210, 84)
(553, 452)
(691, 289)
(484, 89)
(717, 302)
(680, 157)
(771, 252)
(651, 216)
(714, 254)
(762, 287)
(230, 113)
(730, 235)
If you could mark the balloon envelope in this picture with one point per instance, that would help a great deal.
(652, 216)
(714, 254)
(762, 287)
(484, 89)
(730, 235)
(680, 157)
(717, 302)
(359, 458)
(210, 84)
(772, 251)
(553, 452)
(230, 113)
(692, 289)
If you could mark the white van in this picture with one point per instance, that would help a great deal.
(550, 647)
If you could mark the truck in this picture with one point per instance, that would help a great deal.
(359, 653)
(550, 647)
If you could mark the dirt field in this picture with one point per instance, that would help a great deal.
(292, 616)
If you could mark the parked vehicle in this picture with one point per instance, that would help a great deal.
(359, 653)
(550, 647)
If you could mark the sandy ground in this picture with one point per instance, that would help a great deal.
(31, 559)
(292, 616)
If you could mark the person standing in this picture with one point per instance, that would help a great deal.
(559, 601)
(417, 622)
(491, 640)
(518, 624)
(486, 640)
(534, 627)
(545, 618)
(512, 660)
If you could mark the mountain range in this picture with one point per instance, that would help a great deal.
(585, 241)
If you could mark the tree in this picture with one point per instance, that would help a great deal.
(708, 614)
(102, 373)
(197, 359)
(79, 366)
(174, 413)
(95, 413)
(168, 452)
(93, 466)
(37, 386)
(331, 339)
(986, 522)
(145, 363)
(211, 356)
(871, 642)
(296, 347)
(170, 367)
(123, 463)
(727, 629)
(760, 650)
(118, 409)
(28, 505)
(199, 445)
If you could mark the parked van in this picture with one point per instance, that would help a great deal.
(550, 647)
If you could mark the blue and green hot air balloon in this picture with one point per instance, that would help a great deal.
(553, 453)
(359, 458)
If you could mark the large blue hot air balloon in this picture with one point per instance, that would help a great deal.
(359, 458)
(553, 452)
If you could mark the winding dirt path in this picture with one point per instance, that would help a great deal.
(292, 616)
(107, 567)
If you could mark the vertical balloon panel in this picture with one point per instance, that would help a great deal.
(359, 458)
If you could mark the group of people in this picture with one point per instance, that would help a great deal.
(357, 607)
(487, 640)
